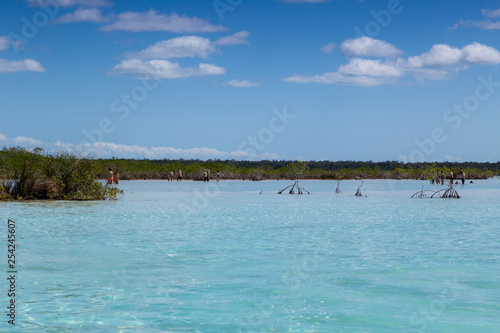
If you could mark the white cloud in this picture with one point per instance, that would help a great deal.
(491, 13)
(476, 53)
(339, 78)
(439, 63)
(164, 69)
(368, 47)
(83, 15)
(443, 55)
(237, 38)
(179, 47)
(108, 150)
(138, 64)
(187, 46)
(328, 48)
(68, 3)
(486, 24)
(25, 141)
(4, 43)
(367, 67)
(438, 56)
(27, 65)
(243, 84)
(152, 21)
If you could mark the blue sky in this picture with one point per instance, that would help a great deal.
(279, 79)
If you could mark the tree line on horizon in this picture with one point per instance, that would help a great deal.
(34, 174)
(130, 169)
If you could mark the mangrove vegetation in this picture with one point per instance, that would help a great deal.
(35, 174)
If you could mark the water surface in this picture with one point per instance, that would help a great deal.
(236, 257)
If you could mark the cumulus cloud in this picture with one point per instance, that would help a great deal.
(152, 21)
(443, 55)
(440, 62)
(366, 67)
(68, 3)
(27, 65)
(361, 72)
(368, 47)
(187, 46)
(179, 47)
(83, 15)
(108, 150)
(243, 84)
(486, 24)
(164, 69)
(151, 62)
(4, 43)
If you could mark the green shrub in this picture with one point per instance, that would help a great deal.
(34, 175)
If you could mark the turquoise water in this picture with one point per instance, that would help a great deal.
(198, 257)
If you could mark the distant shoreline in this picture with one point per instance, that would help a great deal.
(36, 175)
(290, 179)
(129, 169)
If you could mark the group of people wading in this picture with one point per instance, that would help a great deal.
(439, 177)
(113, 177)
(171, 176)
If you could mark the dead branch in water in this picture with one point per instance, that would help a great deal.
(421, 194)
(448, 193)
(358, 191)
(300, 190)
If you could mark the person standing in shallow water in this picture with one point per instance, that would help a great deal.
(451, 177)
(462, 175)
(179, 176)
(116, 177)
(110, 177)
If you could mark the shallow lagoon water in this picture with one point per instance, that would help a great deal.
(236, 257)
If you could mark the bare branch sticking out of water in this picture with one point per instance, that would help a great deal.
(421, 194)
(300, 190)
(337, 190)
(449, 193)
(358, 191)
